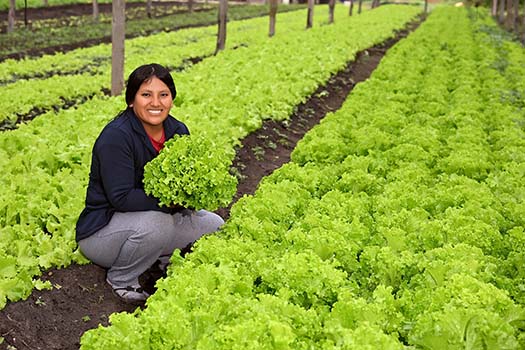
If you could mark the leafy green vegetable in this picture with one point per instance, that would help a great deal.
(193, 172)
(397, 225)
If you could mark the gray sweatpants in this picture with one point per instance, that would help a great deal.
(133, 241)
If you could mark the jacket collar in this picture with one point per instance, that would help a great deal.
(136, 125)
(138, 128)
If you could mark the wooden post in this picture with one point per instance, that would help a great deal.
(508, 17)
(273, 13)
(118, 37)
(25, 13)
(426, 7)
(516, 15)
(523, 25)
(96, 12)
(310, 15)
(331, 7)
(223, 17)
(11, 16)
(501, 14)
(148, 8)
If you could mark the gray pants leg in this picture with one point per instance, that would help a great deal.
(133, 241)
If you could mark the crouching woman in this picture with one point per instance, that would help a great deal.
(121, 228)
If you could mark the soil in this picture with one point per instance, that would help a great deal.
(81, 300)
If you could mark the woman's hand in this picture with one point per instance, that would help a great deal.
(176, 208)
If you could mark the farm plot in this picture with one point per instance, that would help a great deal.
(65, 33)
(60, 81)
(402, 225)
(74, 310)
(45, 162)
(51, 337)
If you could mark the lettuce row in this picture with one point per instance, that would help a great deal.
(45, 164)
(86, 72)
(380, 244)
(36, 3)
(97, 59)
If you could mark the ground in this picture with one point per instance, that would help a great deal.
(56, 319)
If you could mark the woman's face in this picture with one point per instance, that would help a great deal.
(152, 103)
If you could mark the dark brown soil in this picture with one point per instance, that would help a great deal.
(56, 319)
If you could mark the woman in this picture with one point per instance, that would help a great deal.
(121, 228)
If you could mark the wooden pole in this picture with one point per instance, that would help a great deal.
(25, 13)
(118, 37)
(508, 17)
(515, 15)
(95, 10)
(331, 7)
(523, 25)
(223, 17)
(501, 14)
(310, 15)
(149, 6)
(11, 16)
(273, 13)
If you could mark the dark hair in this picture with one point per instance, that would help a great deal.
(144, 73)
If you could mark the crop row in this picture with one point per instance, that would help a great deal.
(56, 90)
(20, 4)
(132, 13)
(40, 38)
(46, 163)
(100, 55)
(402, 225)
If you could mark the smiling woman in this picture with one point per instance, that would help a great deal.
(122, 228)
(152, 100)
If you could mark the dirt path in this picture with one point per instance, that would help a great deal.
(56, 319)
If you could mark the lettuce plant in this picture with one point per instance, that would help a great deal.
(193, 172)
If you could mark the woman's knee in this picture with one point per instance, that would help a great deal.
(208, 221)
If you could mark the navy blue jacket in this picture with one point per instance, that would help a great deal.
(117, 169)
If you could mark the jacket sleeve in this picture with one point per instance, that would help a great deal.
(117, 172)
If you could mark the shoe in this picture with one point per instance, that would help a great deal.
(131, 294)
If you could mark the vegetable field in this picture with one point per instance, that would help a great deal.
(398, 222)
